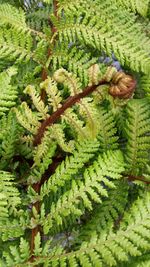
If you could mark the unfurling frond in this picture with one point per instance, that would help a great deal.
(54, 96)
(38, 103)
(75, 60)
(27, 118)
(62, 76)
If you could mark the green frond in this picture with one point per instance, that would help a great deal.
(57, 133)
(8, 93)
(15, 44)
(83, 192)
(43, 158)
(10, 197)
(137, 129)
(107, 130)
(38, 19)
(106, 216)
(89, 112)
(135, 5)
(72, 119)
(75, 60)
(17, 255)
(145, 84)
(94, 32)
(74, 157)
(117, 248)
(70, 167)
(71, 5)
(140, 207)
(12, 16)
(9, 137)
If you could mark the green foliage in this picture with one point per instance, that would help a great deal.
(136, 6)
(74, 133)
(137, 131)
(8, 92)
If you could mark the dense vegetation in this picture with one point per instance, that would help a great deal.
(74, 133)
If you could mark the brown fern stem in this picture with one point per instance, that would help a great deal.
(70, 101)
(137, 178)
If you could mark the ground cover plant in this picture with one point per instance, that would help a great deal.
(74, 133)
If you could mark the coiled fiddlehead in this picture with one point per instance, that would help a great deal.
(122, 85)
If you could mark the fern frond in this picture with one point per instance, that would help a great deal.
(15, 44)
(69, 80)
(17, 255)
(72, 119)
(117, 248)
(107, 130)
(57, 133)
(75, 60)
(136, 6)
(140, 207)
(38, 103)
(38, 19)
(82, 193)
(85, 151)
(93, 32)
(8, 93)
(27, 118)
(106, 215)
(43, 158)
(12, 16)
(54, 96)
(10, 197)
(88, 110)
(137, 131)
(9, 137)
(145, 84)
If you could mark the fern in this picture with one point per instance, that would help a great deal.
(8, 92)
(74, 133)
(136, 6)
(106, 215)
(10, 15)
(137, 129)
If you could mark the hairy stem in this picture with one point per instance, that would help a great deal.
(70, 101)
